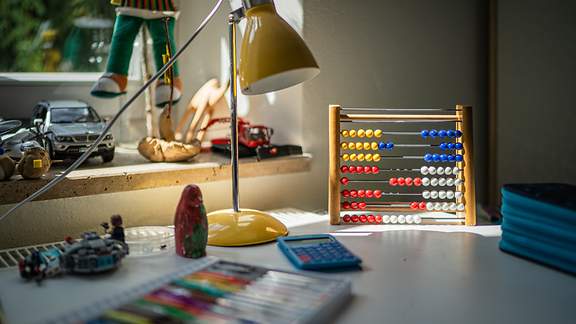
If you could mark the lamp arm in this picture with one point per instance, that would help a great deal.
(124, 107)
(233, 18)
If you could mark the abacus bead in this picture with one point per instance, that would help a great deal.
(425, 133)
(359, 145)
(432, 170)
(434, 182)
(361, 132)
(459, 157)
(450, 146)
(458, 146)
(451, 158)
(408, 181)
(414, 205)
(362, 205)
(442, 133)
(352, 169)
(376, 157)
(442, 194)
(359, 169)
(345, 193)
(436, 157)
(430, 206)
(378, 219)
(425, 181)
(385, 219)
(344, 169)
(443, 146)
(452, 206)
(451, 133)
(367, 169)
(353, 193)
(369, 193)
(457, 182)
(422, 205)
(440, 170)
(354, 205)
(433, 133)
(377, 133)
(401, 181)
(458, 194)
(460, 207)
(450, 194)
(417, 219)
(450, 182)
(371, 219)
(346, 218)
(346, 205)
(382, 146)
(437, 206)
(443, 158)
(401, 219)
(351, 145)
(424, 170)
(353, 157)
(361, 193)
(367, 146)
(363, 219)
(369, 133)
(393, 181)
(344, 181)
(409, 219)
(374, 146)
(417, 182)
(389, 145)
(445, 206)
(344, 145)
(352, 133)
(375, 169)
(345, 133)
(354, 218)
(393, 219)
(426, 194)
(442, 182)
(377, 193)
(455, 170)
(346, 157)
(458, 133)
(433, 194)
(369, 157)
(360, 157)
(448, 170)
(428, 157)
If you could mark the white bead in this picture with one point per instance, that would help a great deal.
(445, 206)
(460, 207)
(432, 170)
(426, 194)
(449, 194)
(401, 219)
(448, 171)
(440, 170)
(457, 182)
(452, 206)
(450, 182)
(393, 219)
(442, 194)
(424, 170)
(433, 194)
(437, 206)
(442, 182)
(429, 206)
(385, 219)
(409, 219)
(425, 181)
(417, 219)
(434, 182)
(455, 170)
(458, 194)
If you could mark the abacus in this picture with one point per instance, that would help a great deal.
(434, 183)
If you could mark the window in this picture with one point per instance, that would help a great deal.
(55, 35)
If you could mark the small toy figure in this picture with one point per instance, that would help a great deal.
(191, 224)
(35, 162)
(117, 229)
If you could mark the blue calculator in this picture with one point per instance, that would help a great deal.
(315, 252)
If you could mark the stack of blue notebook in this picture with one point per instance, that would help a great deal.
(539, 223)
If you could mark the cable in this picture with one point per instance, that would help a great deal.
(91, 149)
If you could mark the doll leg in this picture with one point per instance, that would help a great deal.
(158, 34)
(113, 82)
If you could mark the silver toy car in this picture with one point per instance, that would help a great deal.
(70, 127)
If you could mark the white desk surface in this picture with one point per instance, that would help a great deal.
(410, 275)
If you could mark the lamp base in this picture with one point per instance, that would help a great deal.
(246, 227)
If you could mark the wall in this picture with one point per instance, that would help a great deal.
(536, 91)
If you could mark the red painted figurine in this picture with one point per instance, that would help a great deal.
(191, 224)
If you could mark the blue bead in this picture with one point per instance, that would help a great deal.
(451, 158)
(428, 157)
(443, 146)
(450, 146)
(433, 133)
(442, 133)
(381, 146)
(459, 157)
(425, 133)
(436, 157)
(458, 133)
(389, 146)
(458, 146)
(451, 134)
(443, 157)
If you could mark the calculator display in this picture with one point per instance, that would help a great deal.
(308, 241)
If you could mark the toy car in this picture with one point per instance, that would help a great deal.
(40, 265)
(93, 254)
(251, 136)
(70, 127)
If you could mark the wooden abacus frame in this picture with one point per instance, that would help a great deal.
(462, 116)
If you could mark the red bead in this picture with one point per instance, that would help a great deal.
(369, 193)
(392, 181)
(345, 205)
(414, 205)
(417, 182)
(371, 219)
(377, 193)
(345, 193)
(344, 169)
(359, 169)
(346, 218)
(378, 219)
(361, 193)
(375, 169)
(362, 205)
(422, 205)
(354, 205)
(352, 169)
(354, 218)
(408, 181)
(367, 169)
(401, 181)
(353, 193)
(344, 181)
(363, 218)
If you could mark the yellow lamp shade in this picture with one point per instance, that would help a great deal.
(273, 56)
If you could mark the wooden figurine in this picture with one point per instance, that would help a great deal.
(191, 224)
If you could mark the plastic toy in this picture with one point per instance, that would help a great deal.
(251, 136)
(117, 229)
(41, 265)
(191, 224)
(93, 254)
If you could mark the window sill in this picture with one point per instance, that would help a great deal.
(50, 78)
(129, 171)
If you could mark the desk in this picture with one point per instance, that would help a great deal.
(409, 276)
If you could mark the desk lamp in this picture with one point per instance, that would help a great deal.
(273, 57)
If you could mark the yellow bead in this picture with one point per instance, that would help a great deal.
(353, 157)
(366, 146)
(344, 145)
(368, 157)
(376, 157)
(352, 133)
(360, 157)
(361, 132)
(345, 157)
(345, 133)
(351, 145)
(377, 133)
(369, 133)
(374, 146)
(359, 145)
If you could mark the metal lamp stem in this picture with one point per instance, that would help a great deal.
(232, 19)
